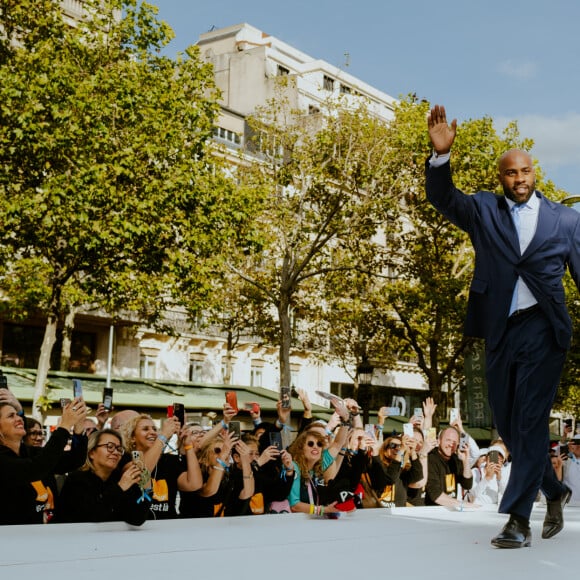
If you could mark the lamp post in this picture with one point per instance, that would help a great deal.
(364, 373)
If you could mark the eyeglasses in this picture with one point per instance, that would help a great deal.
(313, 443)
(393, 446)
(36, 434)
(112, 448)
(217, 450)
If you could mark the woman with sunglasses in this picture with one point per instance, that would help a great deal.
(215, 462)
(392, 470)
(99, 491)
(308, 492)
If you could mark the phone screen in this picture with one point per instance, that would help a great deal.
(285, 397)
(179, 412)
(234, 428)
(108, 398)
(77, 388)
(276, 439)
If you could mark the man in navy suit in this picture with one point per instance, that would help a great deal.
(523, 244)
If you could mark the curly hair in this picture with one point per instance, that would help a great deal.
(297, 452)
(128, 430)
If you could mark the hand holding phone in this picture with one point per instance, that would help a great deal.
(179, 412)
(285, 397)
(234, 428)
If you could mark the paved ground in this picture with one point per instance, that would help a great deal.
(409, 543)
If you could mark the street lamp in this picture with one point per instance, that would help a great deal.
(364, 373)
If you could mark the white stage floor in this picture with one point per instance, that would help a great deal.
(407, 543)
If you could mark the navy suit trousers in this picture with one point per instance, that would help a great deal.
(523, 373)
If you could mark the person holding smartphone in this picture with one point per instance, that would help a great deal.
(27, 474)
(494, 475)
(169, 473)
(101, 492)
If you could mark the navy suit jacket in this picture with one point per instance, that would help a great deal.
(485, 216)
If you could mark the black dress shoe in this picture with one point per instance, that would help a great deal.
(554, 520)
(515, 534)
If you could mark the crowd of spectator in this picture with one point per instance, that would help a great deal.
(125, 468)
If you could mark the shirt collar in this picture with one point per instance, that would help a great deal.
(532, 203)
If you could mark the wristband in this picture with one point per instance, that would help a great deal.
(188, 447)
(224, 424)
(162, 438)
(222, 463)
(380, 427)
(218, 468)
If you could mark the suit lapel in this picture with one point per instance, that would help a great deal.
(545, 228)
(508, 229)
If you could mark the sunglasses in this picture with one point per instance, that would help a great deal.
(112, 448)
(217, 450)
(36, 434)
(393, 446)
(313, 443)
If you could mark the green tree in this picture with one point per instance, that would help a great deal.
(321, 183)
(105, 186)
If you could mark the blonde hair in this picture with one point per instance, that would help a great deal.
(94, 440)
(128, 430)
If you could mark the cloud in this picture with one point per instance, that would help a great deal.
(522, 71)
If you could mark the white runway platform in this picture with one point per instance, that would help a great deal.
(426, 543)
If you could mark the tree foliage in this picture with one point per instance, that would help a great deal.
(104, 179)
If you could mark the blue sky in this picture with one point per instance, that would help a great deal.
(509, 59)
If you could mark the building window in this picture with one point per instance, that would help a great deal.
(345, 89)
(195, 371)
(256, 373)
(283, 71)
(327, 83)
(230, 137)
(148, 365)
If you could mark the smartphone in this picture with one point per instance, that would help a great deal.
(285, 397)
(463, 441)
(408, 429)
(568, 422)
(431, 434)
(453, 415)
(3, 381)
(179, 412)
(232, 400)
(77, 388)
(564, 450)
(252, 407)
(169, 411)
(418, 412)
(276, 439)
(493, 456)
(391, 411)
(235, 429)
(64, 402)
(108, 398)
(370, 430)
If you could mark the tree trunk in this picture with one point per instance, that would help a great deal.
(43, 367)
(69, 325)
(285, 342)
